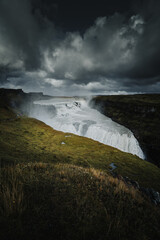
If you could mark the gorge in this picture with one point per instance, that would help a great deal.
(74, 115)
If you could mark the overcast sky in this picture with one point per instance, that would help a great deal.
(80, 47)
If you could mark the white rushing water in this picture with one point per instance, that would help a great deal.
(73, 115)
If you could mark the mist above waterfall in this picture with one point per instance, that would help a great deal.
(74, 115)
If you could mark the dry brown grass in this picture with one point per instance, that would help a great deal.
(11, 194)
(79, 203)
(119, 186)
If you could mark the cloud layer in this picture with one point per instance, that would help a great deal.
(117, 53)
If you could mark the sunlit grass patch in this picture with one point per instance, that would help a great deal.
(29, 140)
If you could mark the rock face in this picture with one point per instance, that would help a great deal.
(139, 113)
(153, 195)
(22, 102)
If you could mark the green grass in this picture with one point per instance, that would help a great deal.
(29, 140)
(53, 191)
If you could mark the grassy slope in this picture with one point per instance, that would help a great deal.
(26, 139)
(141, 114)
(59, 201)
(65, 191)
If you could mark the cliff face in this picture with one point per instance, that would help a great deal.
(20, 101)
(141, 114)
(18, 96)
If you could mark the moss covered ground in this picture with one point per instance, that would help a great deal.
(24, 139)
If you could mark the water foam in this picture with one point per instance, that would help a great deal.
(75, 116)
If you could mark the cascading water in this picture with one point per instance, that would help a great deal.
(75, 116)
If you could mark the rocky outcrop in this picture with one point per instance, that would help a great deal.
(139, 113)
(150, 193)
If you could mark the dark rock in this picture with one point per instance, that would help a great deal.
(77, 104)
(155, 195)
(152, 194)
(135, 184)
(140, 113)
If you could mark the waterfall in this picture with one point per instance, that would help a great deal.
(75, 116)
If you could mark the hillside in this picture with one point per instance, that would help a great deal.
(59, 185)
(141, 114)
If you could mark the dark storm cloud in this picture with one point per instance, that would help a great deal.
(106, 49)
(120, 51)
(19, 33)
(23, 32)
(147, 56)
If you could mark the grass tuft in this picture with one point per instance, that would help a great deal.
(69, 202)
(11, 194)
